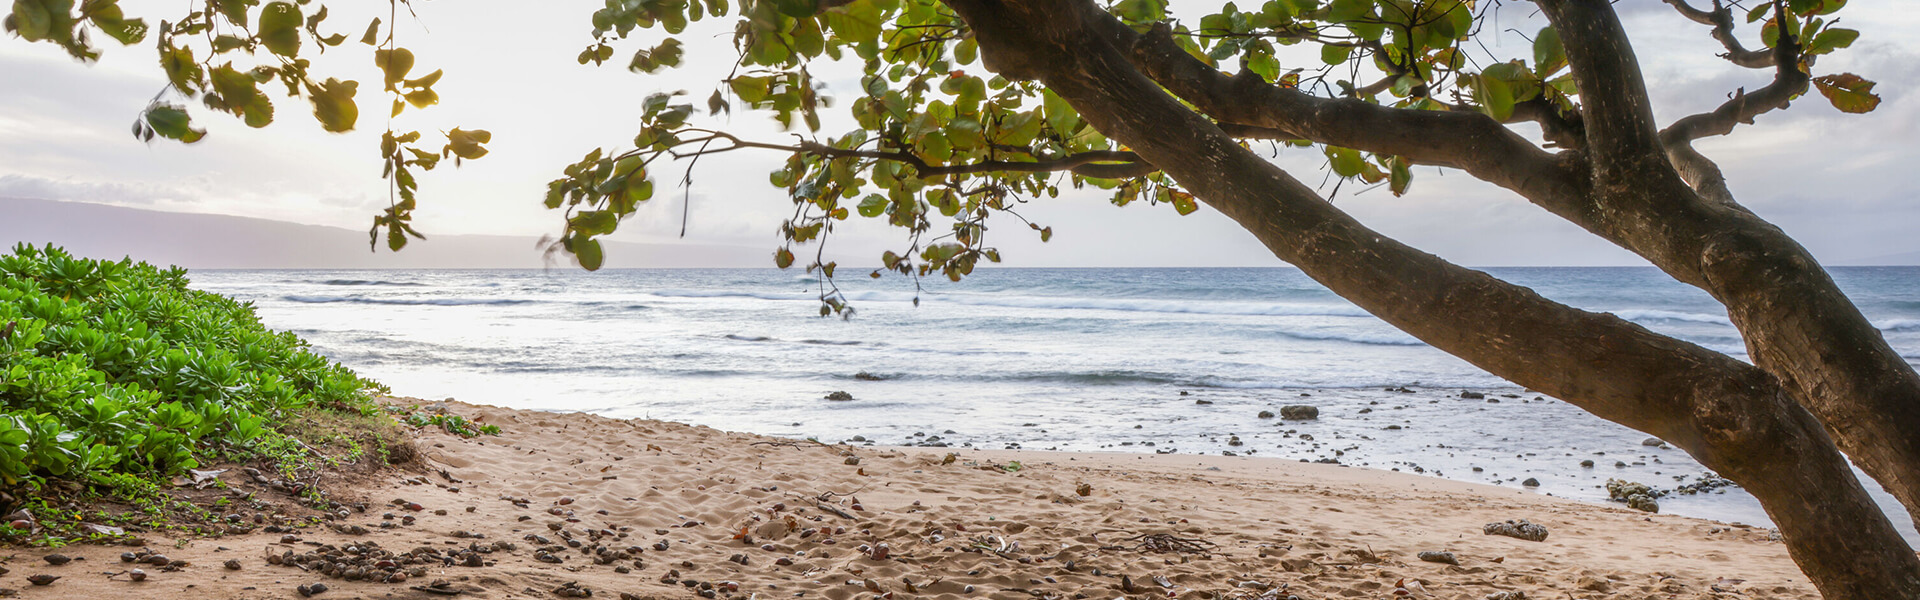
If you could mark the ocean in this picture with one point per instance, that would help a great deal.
(1128, 360)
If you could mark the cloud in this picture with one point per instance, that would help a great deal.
(1835, 180)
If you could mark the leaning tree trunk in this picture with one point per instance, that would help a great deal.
(1732, 416)
(1797, 324)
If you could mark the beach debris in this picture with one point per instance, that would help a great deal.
(1507, 595)
(1165, 543)
(1472, 396)
(307, 590)
(1299, 412)
(1522, 529)
(1265, 414)
(57, 559)
(43, 579)
(1586, 464)
(444, 588)
(233, 564)
(1638, 496)
(1083, 489)
(865, 376)
(1439, 557)
(1531, 482)
(572, 589)
(839, 396)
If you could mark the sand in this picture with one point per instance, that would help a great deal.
(746, 516)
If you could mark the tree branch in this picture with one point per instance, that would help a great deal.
(1618, 117)
(1721, 18)
(1789, 81)
(1103, 164)
(1247, 104)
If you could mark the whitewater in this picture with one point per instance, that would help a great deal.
(1137, 360)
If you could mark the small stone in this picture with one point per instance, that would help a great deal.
(1586, 464)
(1507, 595)
(233, 564)
(1439, 557)
(1473, 396)
(839, 396)
(1266, 414)
(136, 575)
(43, 579)
(1522, 529)
(1299, 412)
(1531, 482)
(1652, 442)
(57, 559)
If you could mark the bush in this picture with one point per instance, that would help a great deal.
(116, 368)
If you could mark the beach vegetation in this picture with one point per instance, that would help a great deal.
(116, 377)
(965, 111)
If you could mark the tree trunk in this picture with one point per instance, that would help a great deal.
(1796, 322)
(1735, 418)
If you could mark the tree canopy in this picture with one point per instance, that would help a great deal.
(967, 109)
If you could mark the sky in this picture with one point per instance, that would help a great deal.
(1841, 184)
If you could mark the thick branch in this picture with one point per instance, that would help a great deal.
(1613, 96)
(1248, 104)
(1104, 164)
(1733, 417)
(1721, 19)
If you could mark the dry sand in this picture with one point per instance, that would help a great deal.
(731, 508)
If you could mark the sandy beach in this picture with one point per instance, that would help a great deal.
(562, 505)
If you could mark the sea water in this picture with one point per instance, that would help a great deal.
(1137, 360)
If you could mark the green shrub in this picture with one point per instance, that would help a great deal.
(116, 368)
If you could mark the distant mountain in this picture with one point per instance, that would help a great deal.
(207, 241)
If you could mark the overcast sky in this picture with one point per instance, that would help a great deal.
(1842, 184)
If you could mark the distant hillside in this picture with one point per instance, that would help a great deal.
(208, 241)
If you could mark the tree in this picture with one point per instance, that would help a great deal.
(1129, 98)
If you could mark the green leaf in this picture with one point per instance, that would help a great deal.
(1346, 162)
(1848, 92)
(333, 103)
(857, 21)
(280, 28)
(872, 206)
(372, 36)
(395, 63)
(794, 8)
(1548, 54)
(783, 258)
(172, 122)
(588, 251)
(467, 144)
(1834, 38)
(1334, 55)
(32, 20)
(1495, 96)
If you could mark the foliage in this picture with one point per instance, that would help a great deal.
(448, 422)
(110, 369)
(940, 145)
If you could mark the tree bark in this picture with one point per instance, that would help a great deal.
(1626, 184)
(1796, 322)
(1732, 416)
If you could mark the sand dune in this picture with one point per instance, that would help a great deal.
(691, 511)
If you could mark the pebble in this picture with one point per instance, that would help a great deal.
(1439, 557)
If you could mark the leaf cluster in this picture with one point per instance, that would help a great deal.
(118, 368)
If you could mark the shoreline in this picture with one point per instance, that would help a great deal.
(726, 510)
